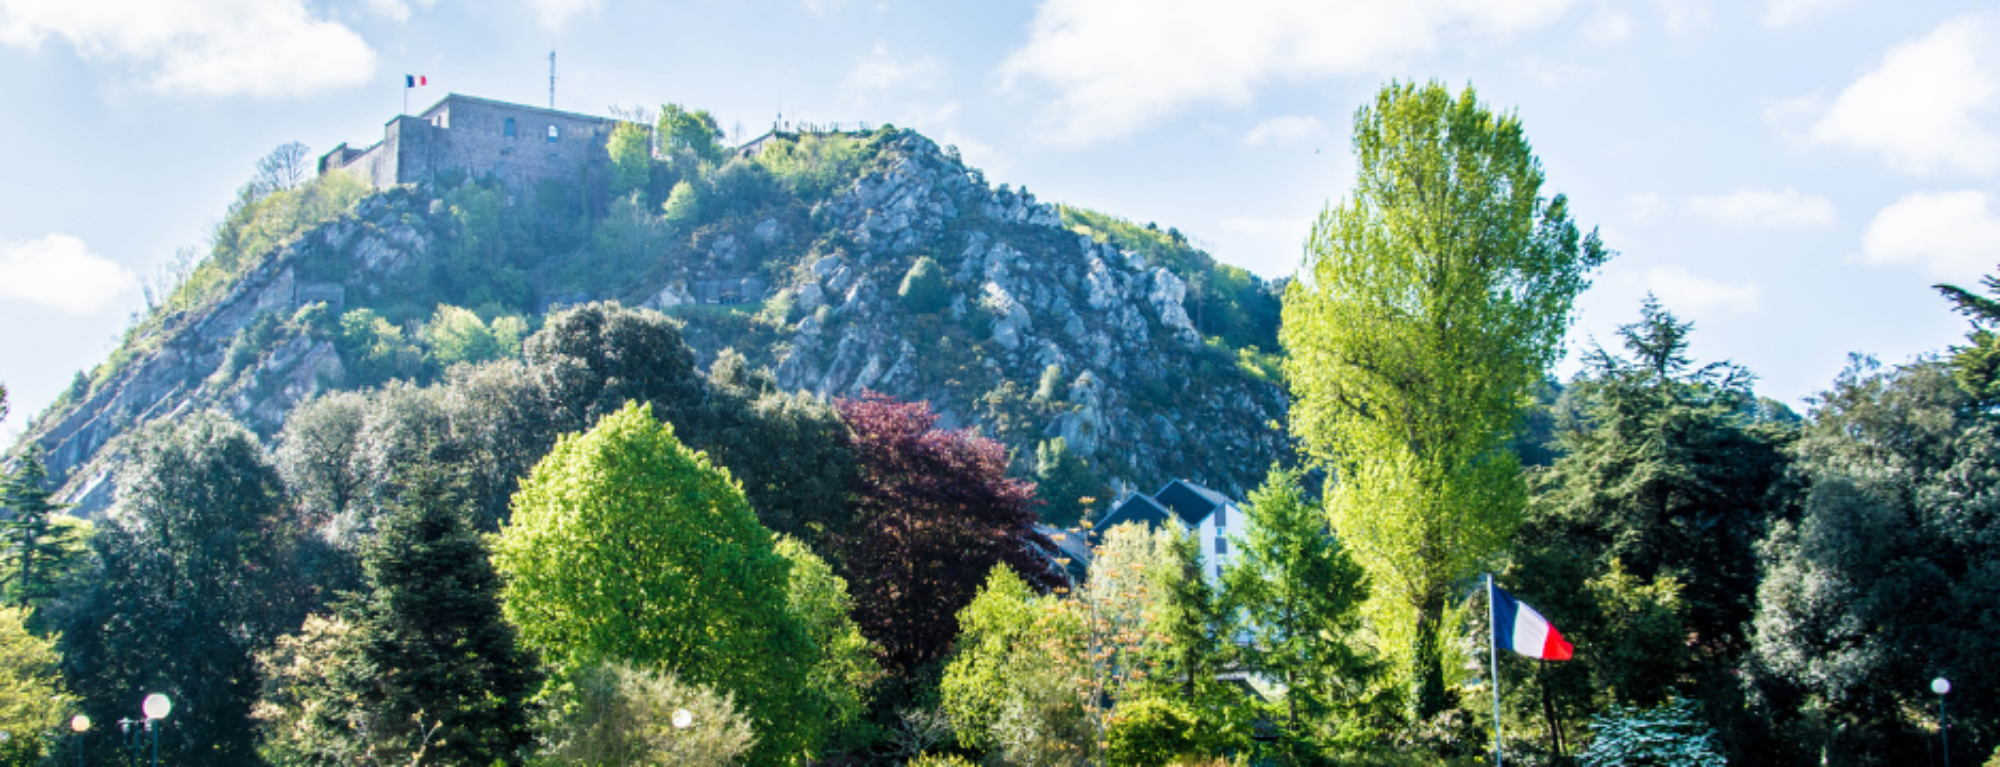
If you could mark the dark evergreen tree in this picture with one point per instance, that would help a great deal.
(38, 547)
(444, 661)
(1194, 636)
(193, 575)
(1063, 480)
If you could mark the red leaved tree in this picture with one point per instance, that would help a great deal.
(935, 512)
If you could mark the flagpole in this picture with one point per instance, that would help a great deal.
(1493, 646)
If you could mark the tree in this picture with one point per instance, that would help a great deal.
(1064, 482)
(1648, 524)
(693, 133)
(614, 715)
(1976, 366)
(39, 546)
(631, 149)
(591, 360)
(935, 512)
(925, 287)
(286, 168)
(844, 660)
(626, 545)
(33, 702)
(1883, 576)
(193, 577)
(1432, 301)
(1300, 595)
(425, 665)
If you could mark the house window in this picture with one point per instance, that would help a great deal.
(1221, 545)
(553, 135)
(508, 129)
(1221, 516)
(1218, 570)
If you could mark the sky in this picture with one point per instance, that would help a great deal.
(1791, 175)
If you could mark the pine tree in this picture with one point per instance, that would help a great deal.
(38, 546)
(431, 628)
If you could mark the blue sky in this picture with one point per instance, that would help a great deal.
(1792, 175)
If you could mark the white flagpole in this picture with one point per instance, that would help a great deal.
(1493, 645)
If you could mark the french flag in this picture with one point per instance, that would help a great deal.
(1518, 627)
(412, 81)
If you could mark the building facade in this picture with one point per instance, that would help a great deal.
(1209, 516)
(521, 146)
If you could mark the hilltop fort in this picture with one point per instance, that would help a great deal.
(522, 146)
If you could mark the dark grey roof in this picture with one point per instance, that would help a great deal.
(1137, 508)
(1189, 501)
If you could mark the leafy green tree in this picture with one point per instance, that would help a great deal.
(925, 287)
(627, 545)
(33, 703)
(690, 133)
(1016, 682)
(1063, 480)
(39, 548)
(844, 665)
(457, 335)
(614, 715)
(374, 350)
(1884, 579)
(1300, 595)
(789, 449)
(591, 360)
(194, 576)
(631, 149)
(1432, 301)
(1976, 366)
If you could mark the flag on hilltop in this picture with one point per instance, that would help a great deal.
(1518, 627)
(412, 81)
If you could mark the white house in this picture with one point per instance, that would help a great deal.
(1210, 515)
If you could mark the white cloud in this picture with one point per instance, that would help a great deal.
(1607, 26)
(881, 71)
(1682, 16)
(554, 12)
(1270, 227)
(398, 10)
(1922, 108)
(1282, 130)
(824, 7)
(1117, 64)
(941, 124)
(60, 272)
(1779, 13)
(1953, 235)
(1685, 292)
(206, 47)
(1765, 209)
(1645, 206)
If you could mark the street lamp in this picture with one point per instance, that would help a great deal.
(79, 724)
(683, 719)
(156, 708)
(1941, 686)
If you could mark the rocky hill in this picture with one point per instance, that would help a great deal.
(841, 263)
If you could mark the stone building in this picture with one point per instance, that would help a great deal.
(520, 145)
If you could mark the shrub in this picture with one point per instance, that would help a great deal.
(616, 714)
(1671, 733)
(1149, 732)
(925, 288)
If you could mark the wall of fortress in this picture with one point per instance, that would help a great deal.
(521, 146)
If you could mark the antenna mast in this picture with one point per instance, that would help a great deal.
(552, 79)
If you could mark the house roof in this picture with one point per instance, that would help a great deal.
(1137, 508)
(1189, 501)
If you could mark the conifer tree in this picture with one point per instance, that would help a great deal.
(432, 628)
(38, 546)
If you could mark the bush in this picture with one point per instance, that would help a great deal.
(925, 288)
(940, 760)
(1149, 732)
(616, 714)
(1671, 733)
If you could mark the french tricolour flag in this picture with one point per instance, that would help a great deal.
(412, 81)
(1518, 627)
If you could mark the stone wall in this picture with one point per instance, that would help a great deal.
(464, 133)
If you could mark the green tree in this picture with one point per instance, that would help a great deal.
(845, 660)
(1432, 301)
(33, 703)
(627, 545)
(1300, 595)
(194, 575)
(631, 149)
(457, 335)
(1063, 480)
(925, 287)
(39, 548)
(689, 133)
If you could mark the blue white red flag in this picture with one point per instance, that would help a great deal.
(412, 81)
(1518, 627)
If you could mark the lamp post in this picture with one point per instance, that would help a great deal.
(79, 724)
(156, 708)
(1941, 686)
(683, 719)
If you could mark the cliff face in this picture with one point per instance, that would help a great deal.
(1045, 327)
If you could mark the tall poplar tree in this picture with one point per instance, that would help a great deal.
(1432, 301)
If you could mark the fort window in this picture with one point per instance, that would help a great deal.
(553, 134)
(508, 129)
